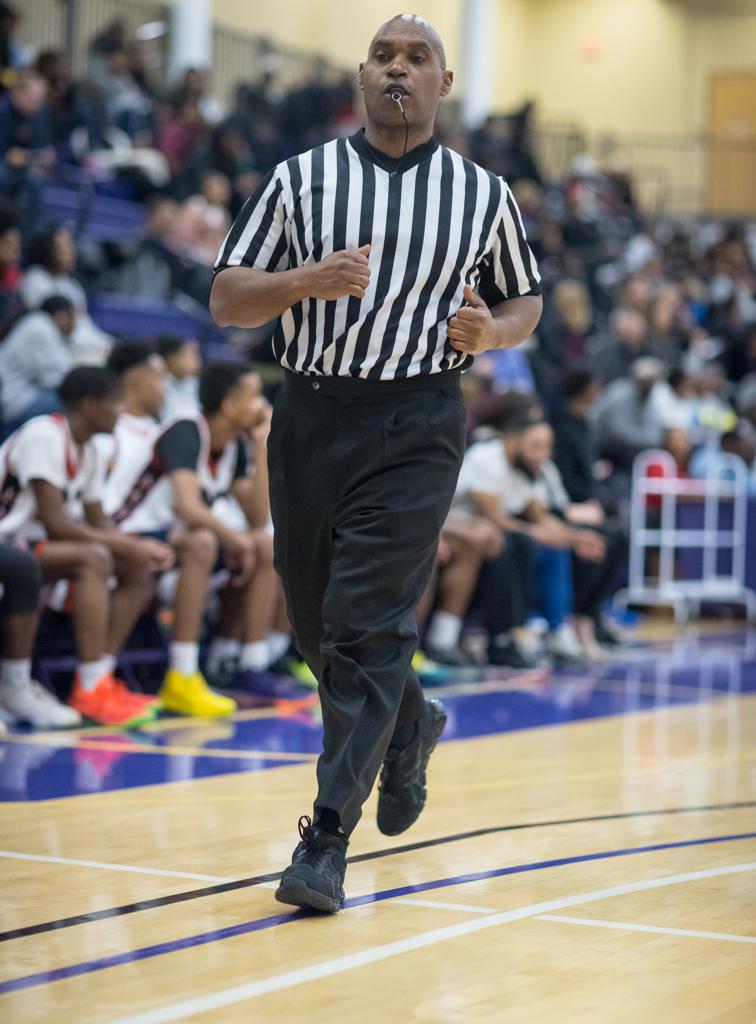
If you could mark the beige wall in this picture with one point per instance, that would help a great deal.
(649, 72)
(339, 29)
(634, 80)
(719, 44)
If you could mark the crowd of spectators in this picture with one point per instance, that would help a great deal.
(648, 340)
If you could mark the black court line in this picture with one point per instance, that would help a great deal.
(246, 883)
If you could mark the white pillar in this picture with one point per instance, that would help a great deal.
(191, 36)
(478, 34)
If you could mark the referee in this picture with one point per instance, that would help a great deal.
(389, 261)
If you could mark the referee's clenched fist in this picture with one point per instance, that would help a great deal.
(341, 273)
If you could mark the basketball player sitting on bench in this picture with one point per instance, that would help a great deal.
(163, 481)
(49, 468)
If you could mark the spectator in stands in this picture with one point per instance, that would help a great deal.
(193, 89)
(575, 446)
(203, 220)
(669, 324)
(673, 400)
(156, 270)
(576, 458)
(128, 104)
(51, 261)
(46, 467)
(26, 153)
(138, 505)
(183, 363)
(228, 152)
(562, 335)
(612, 354)
(10, 271)
(626, 420)
(12, 54)
(182, 130)
(34, 359)
(22, 699)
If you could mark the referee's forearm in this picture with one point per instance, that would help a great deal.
(243, 297)
(516, 319)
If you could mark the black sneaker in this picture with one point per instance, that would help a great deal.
(508, 656)
(462, 665)
(315, 877)
(401, 790)
(609, 635)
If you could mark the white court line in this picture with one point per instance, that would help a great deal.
(446, 906)
(11, 855)
(654, 929)
(374, 954)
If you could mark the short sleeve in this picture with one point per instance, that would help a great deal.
(258, 237)
(483, 470)
(180, 446)
(40, 454)
(558, 499)
(98, 460)
(509, 270)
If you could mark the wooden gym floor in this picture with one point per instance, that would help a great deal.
(588, 853)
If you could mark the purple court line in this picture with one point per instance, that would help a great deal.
(263, 923)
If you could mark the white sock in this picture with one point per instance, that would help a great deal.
(222, 649)
(445, 630)
(278, 645)
(184, 657)
(255, 656)
(15, 671)
(109, 661)
(91, 672)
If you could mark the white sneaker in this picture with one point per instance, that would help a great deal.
(563, 645)
(36, 706)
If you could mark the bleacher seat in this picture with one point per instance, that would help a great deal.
(90, 215)
(139, 319)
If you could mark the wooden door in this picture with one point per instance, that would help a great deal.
(732, 156)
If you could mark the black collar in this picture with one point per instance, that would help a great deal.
(392, 165)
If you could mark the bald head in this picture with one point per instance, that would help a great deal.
(417, 26)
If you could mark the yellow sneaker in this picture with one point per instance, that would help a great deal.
(304, 674)
(190, 695)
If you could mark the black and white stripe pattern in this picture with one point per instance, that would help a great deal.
(435, 222)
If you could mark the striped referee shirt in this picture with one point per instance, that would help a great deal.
(435, 221)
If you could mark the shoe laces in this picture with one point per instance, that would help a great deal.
(319, 856)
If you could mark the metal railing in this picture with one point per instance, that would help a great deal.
(70, 25)
(682, 174)
(238, 57)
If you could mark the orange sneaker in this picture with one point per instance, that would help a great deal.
(111, 703)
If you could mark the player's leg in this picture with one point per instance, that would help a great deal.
(258, 604)
(470, 540)
(21, 698)
(185, 690)
(96, 693)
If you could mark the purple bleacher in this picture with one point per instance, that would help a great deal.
(91, 215)
(511, 369)
(140, 319)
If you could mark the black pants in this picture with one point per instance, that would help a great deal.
(595, 582)
(21, 579)
(362, 474)
(505, 590)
